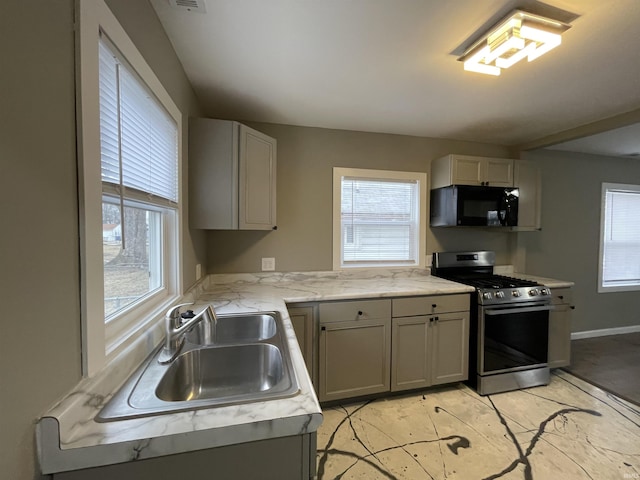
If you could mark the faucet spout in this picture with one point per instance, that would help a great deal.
(177, 326)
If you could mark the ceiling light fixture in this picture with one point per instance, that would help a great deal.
(519, 35)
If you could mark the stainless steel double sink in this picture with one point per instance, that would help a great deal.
(238, 359)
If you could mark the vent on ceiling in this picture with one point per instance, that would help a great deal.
(189, 5)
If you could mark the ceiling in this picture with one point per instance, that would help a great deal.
(391, 66)
(620, 142)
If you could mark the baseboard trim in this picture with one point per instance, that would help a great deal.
(604, 332)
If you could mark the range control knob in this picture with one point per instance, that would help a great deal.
(515, 293)
(533, 292)
(486, 295)
(545, 291)
(500, 294)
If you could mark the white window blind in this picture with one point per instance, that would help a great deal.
(620, 265)
(130, 138)
(139, 174)
(379, 221)
(138, 138)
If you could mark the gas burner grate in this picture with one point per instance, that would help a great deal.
(491, 281)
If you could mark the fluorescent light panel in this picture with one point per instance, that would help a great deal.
(518, 36)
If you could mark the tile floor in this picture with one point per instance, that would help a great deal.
(566, 430)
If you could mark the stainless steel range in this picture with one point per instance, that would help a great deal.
(509, 323)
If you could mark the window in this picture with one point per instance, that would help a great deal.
(377, 218)
(619, 267)
(139, 170)
(130, 132)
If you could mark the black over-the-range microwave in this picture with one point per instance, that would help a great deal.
(468, 205)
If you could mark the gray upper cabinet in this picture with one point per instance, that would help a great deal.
(232, 176)
(471, 170)
(527, 179)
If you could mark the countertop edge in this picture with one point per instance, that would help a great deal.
(547, 282)
(56, 460)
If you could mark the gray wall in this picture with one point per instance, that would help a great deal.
(567, 247)
(303, 241)
(40, 280)
(40, 341)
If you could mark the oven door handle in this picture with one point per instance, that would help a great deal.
(506, 311)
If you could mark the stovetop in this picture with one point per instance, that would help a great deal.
(488, 281)
(476, 269)
(498, 289)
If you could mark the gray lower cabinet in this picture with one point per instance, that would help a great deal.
(284, 458)
(430, 341)
(355, 349)
(450, 348)
(410, 353)
(303, 321)
(560, 328)
(363, 351)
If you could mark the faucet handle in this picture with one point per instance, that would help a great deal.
(174, 312)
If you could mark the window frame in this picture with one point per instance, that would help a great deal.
(606, 188)
(99, 347)
(385, 175)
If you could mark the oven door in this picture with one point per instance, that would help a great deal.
(513, 338)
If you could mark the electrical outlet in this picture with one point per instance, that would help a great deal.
(268, 264)
(198, 271)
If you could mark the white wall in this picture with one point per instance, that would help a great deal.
(567, 247)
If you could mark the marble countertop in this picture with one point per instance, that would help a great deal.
(69, 438)
(547, 282)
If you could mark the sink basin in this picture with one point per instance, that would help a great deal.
(245, 360)
(229, 371)
(233, 329)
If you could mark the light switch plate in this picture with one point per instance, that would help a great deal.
(268, 264)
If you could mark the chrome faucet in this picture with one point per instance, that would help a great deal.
(176, 326)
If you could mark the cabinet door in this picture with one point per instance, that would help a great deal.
(527, 179)
(213, 174)
(466, 170)
(471, 170)
(410, 356)
(257, 177)
(498, 172)
(560, 336)
(302, 321)
(560, 327)
(450, 348)
(354, 358)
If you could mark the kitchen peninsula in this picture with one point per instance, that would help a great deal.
(69, 439)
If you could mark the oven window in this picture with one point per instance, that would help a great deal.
(515, 340)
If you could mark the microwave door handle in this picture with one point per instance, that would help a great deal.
(501, 205)
(507, 311)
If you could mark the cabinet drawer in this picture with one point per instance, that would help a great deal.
(411, 306)
(356, 310)
(561, 295)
